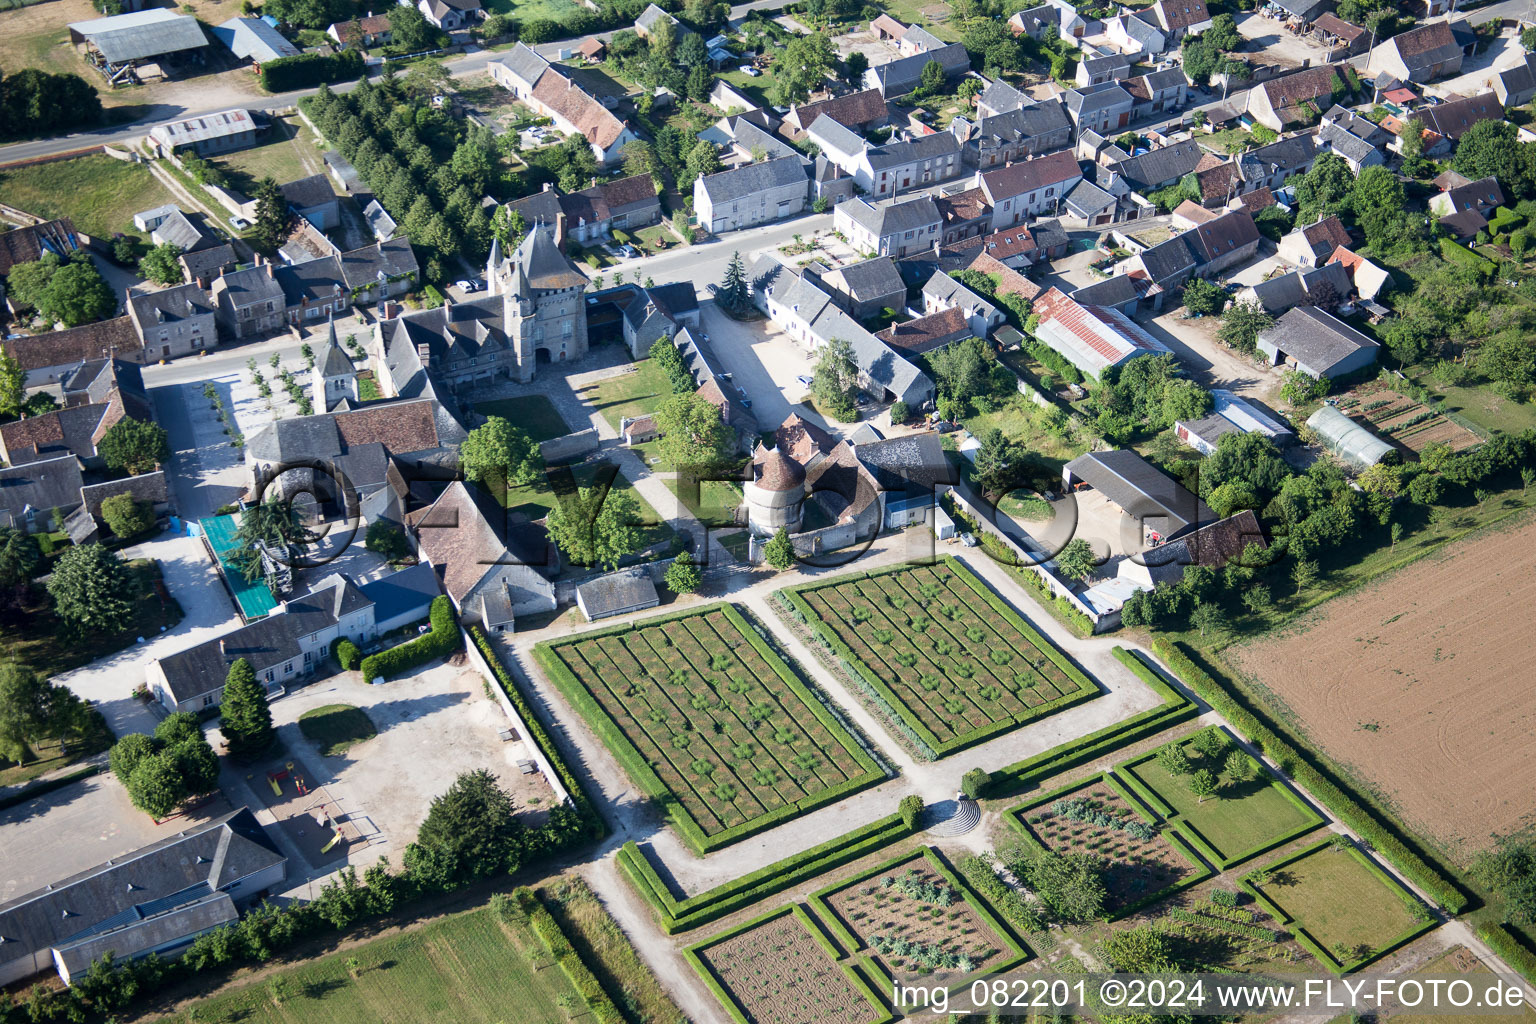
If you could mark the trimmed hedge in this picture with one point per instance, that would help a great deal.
(676, 915)
(439, 642)
(596, 827)
(1343, 806)
(1175, 708)
(1510, 949)
(639, 769)
(581, 977)
(348, 654)
(310, 69)
(37, 789)
(928, 745)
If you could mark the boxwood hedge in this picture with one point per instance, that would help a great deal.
(439, 642)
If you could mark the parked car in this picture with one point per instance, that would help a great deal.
(468, 285)
(968, 539)
(804, 382)
(750, 71)
(239, 223)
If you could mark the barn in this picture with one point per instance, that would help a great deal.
(121, 45)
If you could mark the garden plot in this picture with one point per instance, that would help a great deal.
(1343, 908)
(1139, 863)
(779, 970)
(946, 659)
(711, 721)
(1249, 811)
(912, 915)
(1403, 421)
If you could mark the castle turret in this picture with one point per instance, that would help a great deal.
(776, 493)
(334, 378)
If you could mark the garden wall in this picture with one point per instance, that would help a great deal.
(477, 659)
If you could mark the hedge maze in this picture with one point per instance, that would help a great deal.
(947, 660)
(711, 721)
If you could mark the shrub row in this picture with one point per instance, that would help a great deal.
(1175, 708)
(310, 69)
(1081, 624)
(682, 915)
(37, 789)
(580, 798)
(439, 642)
(1510, 949)
(645, 777)
(1344, 806)
(1251, 931)
(1008, 902)
(581, 977)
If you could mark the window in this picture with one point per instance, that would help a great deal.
(207, 700)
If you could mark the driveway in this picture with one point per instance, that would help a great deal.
(1278, 44)
(765, 362)
(1207, 360)
(206, 470)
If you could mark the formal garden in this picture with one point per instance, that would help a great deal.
(948, 662)
(711, 721)
(1224, 802)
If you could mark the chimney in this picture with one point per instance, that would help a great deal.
(560, 230)
(270, 272)
(424, 353)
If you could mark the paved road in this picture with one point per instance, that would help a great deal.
(468, 64)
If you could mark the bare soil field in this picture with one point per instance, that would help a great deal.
(778, 974)
(1421, 683)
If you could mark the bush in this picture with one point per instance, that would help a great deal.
(441, 641)
(974, 782)
(127, 516)
(909, 809)
(348, 654)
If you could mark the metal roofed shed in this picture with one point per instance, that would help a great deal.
(1155, 500)
(255, 39)
(129, 37)
(1351, 442)
(629, 590)
(207, 133)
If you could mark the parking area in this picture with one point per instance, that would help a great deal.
(1503, 53)
(77, 827)
(1207, 360)
(765, 362)
(877, 51)
(431, 726)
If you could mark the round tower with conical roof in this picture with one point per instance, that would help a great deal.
(775, 495)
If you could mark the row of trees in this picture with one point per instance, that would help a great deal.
(427, 170)
(33, 102)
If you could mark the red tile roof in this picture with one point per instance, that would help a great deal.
(595, 122)
(1014, 241)
(1012, 282)
(1105, 330)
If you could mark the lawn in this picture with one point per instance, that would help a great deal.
(1026, 504)
(36, 641)
(552, 10)
(709, 720)
(534, 415)
(537, 499)
(1484, 407)
(941, 654)
(468, 968)
(1241, 820)
(98, 193)
(50, 755)
(630, 394)
(716, 503)
(1342, 902)
(754, 89)
(336, 727)
(1023, 421)
(287, 153)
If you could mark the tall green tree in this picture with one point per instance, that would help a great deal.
(92, 591)
(801, 68)
(692, 433)
(13, 385)
(836, 380)
(1068, 883)
(682, 576)
(19, 557)
(134, 446)
(244, 717)
(997, 461)
(1076, 561)
(274, 524)
(593, 528)
(474, 828)
(161, 264)
(779, 552)
(497, 452)
(733, 297)
(1243, 322)
(32, 709)
(271, 216)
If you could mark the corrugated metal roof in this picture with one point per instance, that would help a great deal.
(125, 37)
(207, 126)
(254, 38)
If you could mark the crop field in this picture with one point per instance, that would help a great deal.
(1339, 901)
(777, 971)
(1242, 818)
(912, 918)
(713, 721)
(1402, 420)
(1138, 861)
(1419, 684)
(948, 659)
(467, 968)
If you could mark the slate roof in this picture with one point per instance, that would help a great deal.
(872, 278)
(525, 63)
(1224, 235)
(1024, 123)
(618, 592)
(1138, 487)
(1030, 175)
(399, 426)
(1454, 117)
(750, 179)
(1288, 154)
(1001, 97)
(205, 264)
(394, 257)
(308, 193)
(1425, 45)
(1315, 338)
(895, 218)
(191, 865)
(1088, 200)
(1112, 291)
(91, 341)
(1104, 96)
(901, 76)
(1154, 167)
(169, 305)
(924, 147)
(1145, 87)
(909, 463)
(926, 41)
(830, 134)
(1303, 285)
(1108, 63)
(41, 485)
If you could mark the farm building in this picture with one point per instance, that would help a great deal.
(1163, 507)
(208, 133)
(1351, 442)
(254, 39)
(1231, 414)
(154, 900)
(1317, 343)
(117, 44)
(1092, 338)
(618, 593)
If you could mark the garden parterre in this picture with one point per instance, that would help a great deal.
(711, 720)
(945, 658)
